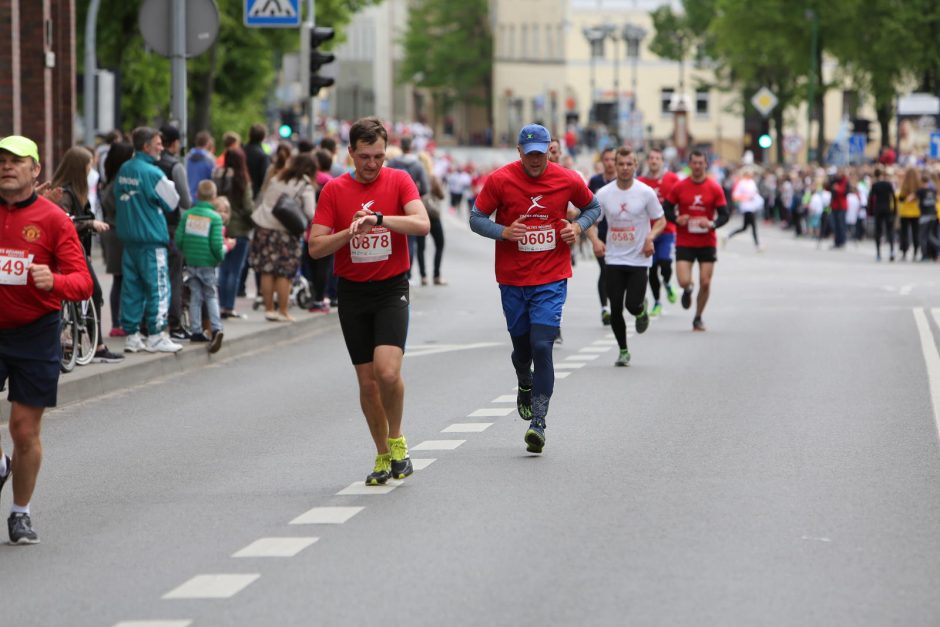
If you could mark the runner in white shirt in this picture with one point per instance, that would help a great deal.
(634, 219)
(749, 201)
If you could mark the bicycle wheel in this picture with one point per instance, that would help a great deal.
(69, 337)
(87, 331)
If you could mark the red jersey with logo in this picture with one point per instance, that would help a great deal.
(38, 232)
(662, 186)
(541, 257)
(380, 253)
(700, 202)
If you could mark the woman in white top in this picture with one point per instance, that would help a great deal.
(275, 253)
(749, 202)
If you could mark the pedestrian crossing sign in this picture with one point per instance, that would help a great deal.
(272, 13)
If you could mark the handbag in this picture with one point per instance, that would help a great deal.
(287, 211)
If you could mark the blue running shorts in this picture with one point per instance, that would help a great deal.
(524, 306)
(663, 247)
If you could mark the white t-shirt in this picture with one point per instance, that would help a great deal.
(628, 213)
(747, 196)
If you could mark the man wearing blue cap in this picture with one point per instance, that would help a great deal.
(530, 199)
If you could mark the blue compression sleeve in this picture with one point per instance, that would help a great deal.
(481, 224)
(589, 214)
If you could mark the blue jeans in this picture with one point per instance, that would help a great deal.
(838, 228)
(202, 288)
(230, 272)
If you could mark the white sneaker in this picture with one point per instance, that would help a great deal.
(134, 343)
(161, 343)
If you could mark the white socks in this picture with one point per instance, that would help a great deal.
(4, 466)
(17, 509)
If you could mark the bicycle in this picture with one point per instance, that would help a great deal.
(79, 334)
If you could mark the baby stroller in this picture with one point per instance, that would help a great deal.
(301, 294)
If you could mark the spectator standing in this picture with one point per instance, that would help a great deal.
(909, 213)
(233, 181)
(256, 158)
(200, 161)
(169, 162)
(883, 205)
(144, 196)
(839, 204)
(336, 168)
(201, 241)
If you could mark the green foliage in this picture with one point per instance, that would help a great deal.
(449, 49)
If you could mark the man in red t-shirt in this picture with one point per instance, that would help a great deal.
(530, 200)
(661, 180)
(697, 206)
(42, 263)
(364, 218)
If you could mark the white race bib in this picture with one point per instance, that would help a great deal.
(621, 236)
(14, 266)
(198, 225)
(538, 239)
(699, 225)
(375, 245)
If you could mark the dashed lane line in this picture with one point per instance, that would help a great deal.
(569, 365)
(359, 488)
(275, 547)
(562, 375)
(154, 623)
(505, 398)
(582, 357)
(421, 464)
(931, 358)
(327, 515)
(595, 349)
(490, 412)
(217, 586)
(438, 445)
(467, 427)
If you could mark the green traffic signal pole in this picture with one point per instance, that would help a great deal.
(811, 91)
(312, 100)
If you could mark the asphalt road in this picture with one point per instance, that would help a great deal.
(780, 469)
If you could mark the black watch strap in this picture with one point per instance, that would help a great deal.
(378, 218)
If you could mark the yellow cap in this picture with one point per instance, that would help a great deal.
(20, 146)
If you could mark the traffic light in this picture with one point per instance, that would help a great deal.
(765, 141)
(861, 126)
(289, 122)
(318, 35)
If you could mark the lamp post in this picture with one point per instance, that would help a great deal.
(680, 134)
(633, 35)
(595, 36)
(811, 84)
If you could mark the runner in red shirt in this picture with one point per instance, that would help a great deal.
(530, 200)
(365, 218)
(42, 263)
(697, 206)
(662, 181)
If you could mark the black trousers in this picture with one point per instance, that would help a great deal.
(626, 287)
(750, 219)
(437, 234)
(175, 269)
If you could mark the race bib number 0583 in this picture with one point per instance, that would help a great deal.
(621, 236)
(375, 245)
(538, 239)
(14, 266)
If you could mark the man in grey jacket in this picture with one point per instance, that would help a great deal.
(410, 164)
(169, 162)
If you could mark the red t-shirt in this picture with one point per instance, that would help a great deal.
(542, 257)
(661, 186)
(40, 232)
(696, 200)
(381, 253)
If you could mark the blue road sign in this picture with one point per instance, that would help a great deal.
(272, 13)
(857, 144)
(935, 145)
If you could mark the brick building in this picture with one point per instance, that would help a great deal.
(37, 74)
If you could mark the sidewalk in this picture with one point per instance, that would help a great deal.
(241, 337)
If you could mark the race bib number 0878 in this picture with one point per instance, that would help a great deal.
(14, 266)
(538, 239)
(371, 247)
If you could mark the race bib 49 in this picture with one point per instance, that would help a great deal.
(14, 266)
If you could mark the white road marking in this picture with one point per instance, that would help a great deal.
(435, 349)
(582, 357)
(905, 290)
(212, 587)
(275, 547)
(489, 412)
(570, 365)
(562, 375)
(438, 445)
(505, 398)
(467, 427)
(326, 516)
(421, 464)
(595, 349)
(154, 623)
(931, 358)
(605, 342)
(359, 488)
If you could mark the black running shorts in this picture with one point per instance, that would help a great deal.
(374, 313)
(29, 361)
(704, 254)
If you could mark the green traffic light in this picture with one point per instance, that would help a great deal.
(765, 141)
(285, 131)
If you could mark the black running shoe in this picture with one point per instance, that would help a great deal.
(605, 317)
(382, 470)
(535, 436)
(697, 324)
(643, 320)
(524, 402)
(179, 334)
(401, 463)
(686, 298)
(21, 529)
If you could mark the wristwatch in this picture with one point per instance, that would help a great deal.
(378, 217)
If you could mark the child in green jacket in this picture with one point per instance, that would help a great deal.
(199, 238)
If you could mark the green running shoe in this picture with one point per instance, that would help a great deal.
(401, 463)
(524, 402)
(605, 317)
(535, 436)
(623, 359)
(656, 311)
(643, 320)
(382, 470)
(671, 294)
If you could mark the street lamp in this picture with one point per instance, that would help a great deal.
(680, 133)
(633, 35)
(595, 36)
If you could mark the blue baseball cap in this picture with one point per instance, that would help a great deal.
(534, 138)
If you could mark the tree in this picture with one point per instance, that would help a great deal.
(449, 51)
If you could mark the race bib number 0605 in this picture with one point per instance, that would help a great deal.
(375, 245)
(538, 239)
(14, 266)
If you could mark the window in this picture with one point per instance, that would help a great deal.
(701, 102)
(665, 99)
(551, 52)
(511, 49)
(535, 42)
(850, 104)
(524, 51)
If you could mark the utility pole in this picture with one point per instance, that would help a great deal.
(178, 68)
(811, 87)
(91, 68)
